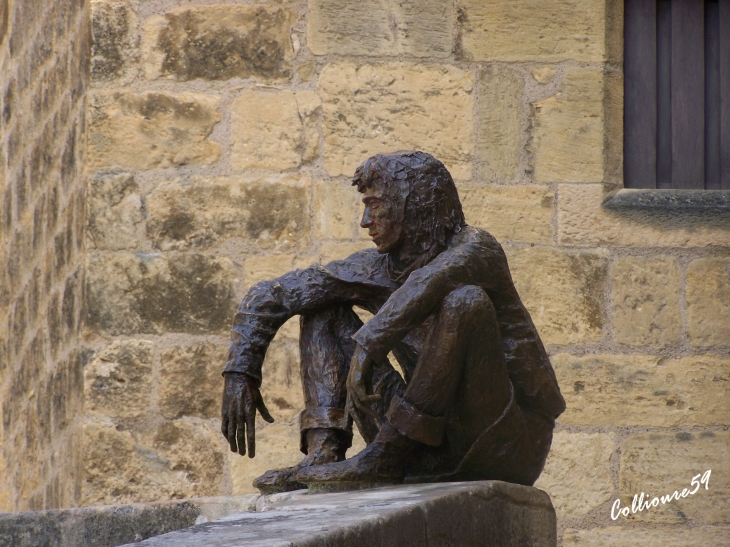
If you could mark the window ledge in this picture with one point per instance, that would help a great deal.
(675, 200)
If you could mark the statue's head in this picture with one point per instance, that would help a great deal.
(410, 199)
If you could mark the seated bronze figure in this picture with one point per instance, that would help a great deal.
(478, 397)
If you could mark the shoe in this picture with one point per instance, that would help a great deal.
(324, 446)
(382, 462)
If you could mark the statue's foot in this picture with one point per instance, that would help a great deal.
(323, 447)
(381, 462)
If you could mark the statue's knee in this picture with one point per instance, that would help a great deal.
(468, 299)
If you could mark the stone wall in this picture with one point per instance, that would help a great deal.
(44, 51)
(222, 137)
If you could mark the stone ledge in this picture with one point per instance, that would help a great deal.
(669, 199)
(489, 513)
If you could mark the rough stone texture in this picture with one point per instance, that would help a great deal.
(154, 293)
(330, 250)
(499, 109)
(577, 474)
(116, 212)
(381, 27)
(175, 460)
(708, 302)
(219, 42)
(645, 297)
(152, 129)
(191, 381)
(510, 213)
(109, 526)
(267, 131)
(114, 40)
(337, 208)
(532, 30)
(479, 513)
(660, 463)
(583, 222)
(643, 390)
(118, 383)
(563, 291)
(618, 536)
(271, 211)
(310, 113)
(368, 109)
(568, 136)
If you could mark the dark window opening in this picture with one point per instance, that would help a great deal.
(677, 94)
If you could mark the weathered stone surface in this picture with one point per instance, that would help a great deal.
(645, 295)
(499, 109)
(492, 513)
(330, 250)
(660, 463)
(106, 526)
(618, 536)
(532, 30)
(118, 382)
(263, 268)
(152, 129)
(568, 135)
(219, 42)
(563, 292)
(270, 211)
(116, 215)
(708, 301)
(152, 293)
(543, 74)
(630, 390)
(177, 460)
(381, 27)
(191, 381)
(577, 474)
(113, 39)
(310, 113)
(510, 213)
(368, 109)
(267, 131)
(583, 222)
(336, 210)
(307, 71)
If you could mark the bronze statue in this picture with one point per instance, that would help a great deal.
(479, 397)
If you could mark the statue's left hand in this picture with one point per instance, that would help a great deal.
(241, 400)
(359, 379)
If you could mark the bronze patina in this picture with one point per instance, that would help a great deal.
(478, 397)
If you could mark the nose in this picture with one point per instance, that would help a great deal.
(366, 220)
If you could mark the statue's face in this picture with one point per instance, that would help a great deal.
(379, 218)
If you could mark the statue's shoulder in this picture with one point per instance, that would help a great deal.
(476, 237)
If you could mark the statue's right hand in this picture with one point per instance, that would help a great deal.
(241, 399)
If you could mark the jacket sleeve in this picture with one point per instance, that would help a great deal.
(471, 262)
(269, 304)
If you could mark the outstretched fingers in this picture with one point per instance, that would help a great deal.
(230, 432)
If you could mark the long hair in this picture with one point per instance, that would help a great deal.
(424, 193)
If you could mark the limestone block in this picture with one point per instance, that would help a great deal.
(370, 109)
(155, 293)
(563, 291)
(619, 536)
(543, 74)
(267, 131)
(336, 210)
(270, 211)
(499, 109)
(510, 213)
(151, 129)
(381, 27)
(190, 380)
(118, 382)
(114, 39)
(582, 222)
(628, 390)
(176, 460)
(310, 112)
(708, 301)
(264, 268)
(645, 296)
(568, 130)
(577, 473)
(307, 71)
(659, 464)
(219, 42)
(533, 30)
(115, 213)
(331, 250)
